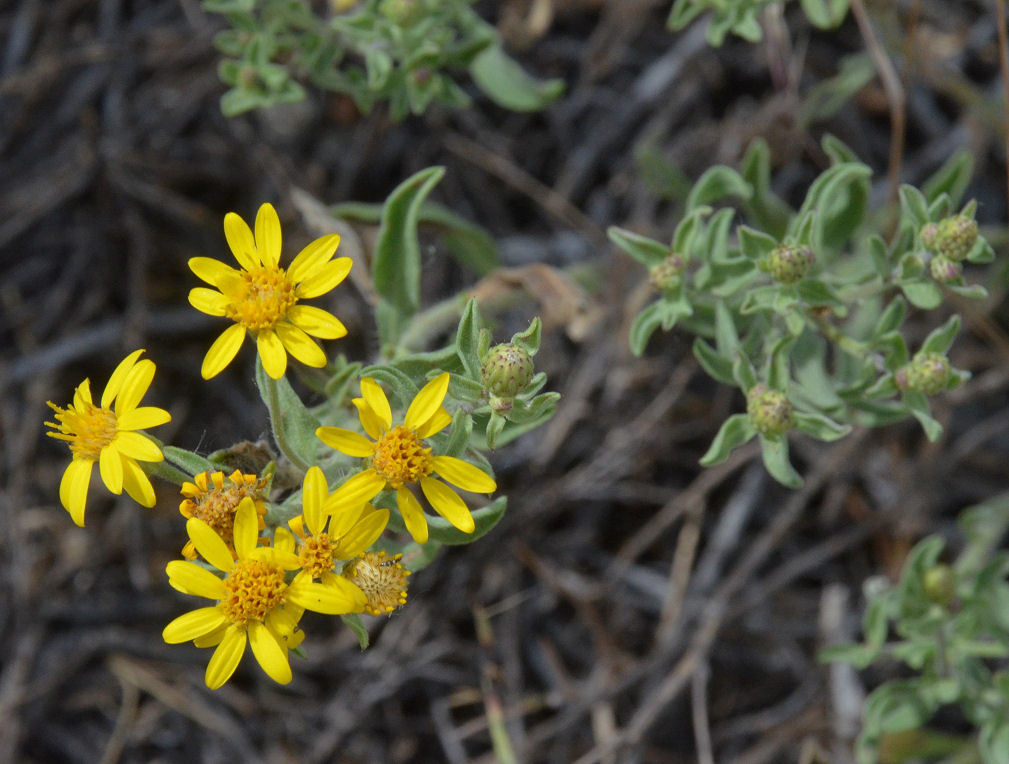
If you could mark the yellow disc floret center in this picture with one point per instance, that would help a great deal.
(382, 579)
(251, 590)
(400, 456)
(316, 555)
(87, 430)
(265, 296)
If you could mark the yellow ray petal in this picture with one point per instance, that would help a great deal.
(226, 657)
(82, 393)
(115, 381)
(137, 484)
(209, 544)
(137, 446)
(369, 419)
(413, 515)
(110, 466)
(208, 301)
(375, 397)
(356, 490)
(193, 579)
(346, 441)
(364, 533)
(246, 529)
(438, 422)
(243, 245)
(142, 418)
(427, 402)
(210, 270)
(283, 540)
(193, 624)
(316, 321)
(313, 257)
(324, 278)
(135, 386)
(269, 651)
(271, 353)
(300, 345)
(74, 488)
(332, 600)
(447, 503)
(343, 517)
(268, 235)
(222, 351)
(314, 493)
(464, 475)
(212, 639)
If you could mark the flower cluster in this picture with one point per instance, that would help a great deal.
(263, 555)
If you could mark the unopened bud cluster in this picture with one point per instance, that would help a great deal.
(769, 410)
(787, 264)
(927, 373)
(951, 239)
(666, 275)
(944, 270)
(939, 583)
(506, 371)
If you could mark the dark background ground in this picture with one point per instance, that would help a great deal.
(642, 609)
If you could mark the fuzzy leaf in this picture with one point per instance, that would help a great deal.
(485, 518)
(734, 432)
(506, 83)
(353, 621)
(646, 251)
(775, 454)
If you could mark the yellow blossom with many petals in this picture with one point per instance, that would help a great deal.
(107, 434)
(214, 498)
(326, 533)
(255, 604)
(264, 299)
(397, 458)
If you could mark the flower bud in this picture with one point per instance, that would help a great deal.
(666, 275)
(939, 583)
(927, 236)
(404, 13)
(769, 410)
(787, 264)
(927, 373)
(955, 237)
(944, 270)
(506, 371)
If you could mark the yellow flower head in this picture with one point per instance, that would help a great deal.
(263, 298)
(214, 498)
(397, 457)
(382, 579)
(255, 602)
(107, 434)
(351, 530)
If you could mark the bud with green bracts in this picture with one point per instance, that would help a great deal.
(665, 276)
(955, 237)
(944, 270)
(506, 371)
(787, 264)
(927, 373)
(939, 583)
(769, 410)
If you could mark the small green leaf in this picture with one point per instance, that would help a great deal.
(191, 462)
(495, 425)
(646, 251)
(507, 84)
(293, 424)
(396, 266)
(755, 244)
(467, 338)
(485, 518)
(952, 178)
(922, 294)
(644, 325)
(734, 432)
(825, 14)
(917, 404)
(775, 454)
(529, 340)
(718, 183)
(716, 365)
(913, 205)
(941, 338)
(819, 426)
(353, 620)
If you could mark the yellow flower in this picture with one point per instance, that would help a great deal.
(263, 298)
(382, 579)
(398, 458)
(107, 434)
(255, 604)
(351, 530)
(214, 499)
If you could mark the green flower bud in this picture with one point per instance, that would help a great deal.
(666, 275)
(944, 270)
(506, 371)
(955, 237)
(927, 373)
(939, 583)
(404, 13)
(927, 236)
(787, 264)
(769, 411)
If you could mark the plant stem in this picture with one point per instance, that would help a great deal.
(273, 405)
